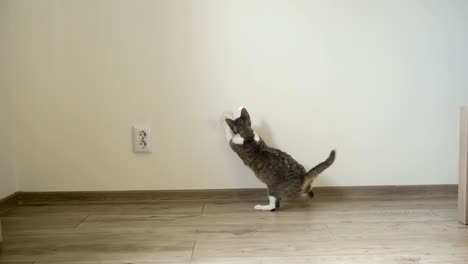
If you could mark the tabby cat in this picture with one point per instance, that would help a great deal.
(284, 176)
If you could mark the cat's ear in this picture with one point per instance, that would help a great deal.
(231, 124)
(245, 115)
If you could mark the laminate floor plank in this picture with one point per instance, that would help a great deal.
(120, 250)
(335, 205)
(289, 247)
(156, 261)
(37, 222)
(103, 209)
(351, 259)
(369, 259)
(252, 217)
(430, 230)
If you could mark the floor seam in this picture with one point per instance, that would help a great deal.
(203, 209)
(38, 257)
(330, 232)
(86, 217)
(193, 249)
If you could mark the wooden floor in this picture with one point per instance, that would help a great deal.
(365, 230)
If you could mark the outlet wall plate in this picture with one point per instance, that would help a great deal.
(141, 137)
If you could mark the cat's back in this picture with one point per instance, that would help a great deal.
(279, 156)
(281, 162)
(264, 159)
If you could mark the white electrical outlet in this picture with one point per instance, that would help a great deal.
(142, 138)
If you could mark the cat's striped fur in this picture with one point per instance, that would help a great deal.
(282, 174)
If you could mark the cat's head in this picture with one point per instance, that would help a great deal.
(242, 125)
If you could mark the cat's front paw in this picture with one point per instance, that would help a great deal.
(229, 115)
(224, 116)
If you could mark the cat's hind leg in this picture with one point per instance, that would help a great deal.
(272, 206)
(276, 193)
(310, 191)
(274, 199)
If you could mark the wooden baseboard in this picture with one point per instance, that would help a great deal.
(8, 203)
(35, 198)
(394, 191)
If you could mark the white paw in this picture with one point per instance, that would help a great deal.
(224, 116)
(260, 207)
(237, 139)
(229, 115)
(257, 137)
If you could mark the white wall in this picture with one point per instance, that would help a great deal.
(7, 173)
(380, 81)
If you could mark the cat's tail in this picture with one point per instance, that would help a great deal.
(315, 171)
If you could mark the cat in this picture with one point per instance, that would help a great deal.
(283, 176)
